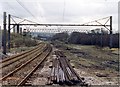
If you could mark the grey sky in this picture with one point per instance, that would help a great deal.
(51, 11)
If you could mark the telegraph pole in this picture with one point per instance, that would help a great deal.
(110, 32)
(9, 32)
(4, 33)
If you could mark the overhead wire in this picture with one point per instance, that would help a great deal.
(13, 11)
(11, 7)
(14, 20)
(107, 21)
(20, 21)
(96, 20)
(24, 7)
(24, 19)
(40, 12)
(101, 24)
(41, 16)
(17, 17)
(20, 3)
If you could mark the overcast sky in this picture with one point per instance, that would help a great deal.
(62, 11)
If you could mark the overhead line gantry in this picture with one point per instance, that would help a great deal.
(40, 24)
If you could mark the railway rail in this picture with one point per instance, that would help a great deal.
(22, 53)
(15, 62)
(19, 75)
(25, 81)
(18, 70)
(62, 72)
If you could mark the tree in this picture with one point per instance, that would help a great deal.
(74, 38)
(61, 36)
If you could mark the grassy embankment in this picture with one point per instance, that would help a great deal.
(21, 43)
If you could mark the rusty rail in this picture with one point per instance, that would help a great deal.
(13, 59)
(23, 65)
(62, 72)
(15, 56)
(45, 53)
(36, 67)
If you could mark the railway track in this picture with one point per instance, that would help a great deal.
(62, 72)
(26, 80)
(19, 70)
(20, 75)
(22, 53)
(15, 62)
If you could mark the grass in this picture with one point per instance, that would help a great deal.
(20, 49)
(95, 59)
(98, 53)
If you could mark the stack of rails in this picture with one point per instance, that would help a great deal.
(62, 72)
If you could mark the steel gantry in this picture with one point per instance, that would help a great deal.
(40, 24)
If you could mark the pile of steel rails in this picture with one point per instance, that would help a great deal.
(62, 72)
(16, 70)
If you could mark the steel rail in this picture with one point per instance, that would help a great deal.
(70, 67)
(36, 67)
(20, 57)
(12, 57)
(23, 65)
(63, 73)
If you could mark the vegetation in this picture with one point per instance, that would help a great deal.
(85, 53)
(96, 61)
(18, 40)
(95, 37)
(60, 36)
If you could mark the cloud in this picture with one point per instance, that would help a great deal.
(51, 11)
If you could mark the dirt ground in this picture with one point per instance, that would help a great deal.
(91, 75)
(98, 66)
(41, 75)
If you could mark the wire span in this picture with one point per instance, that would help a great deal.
(97, 20)
(25, 8)
(24, 19)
